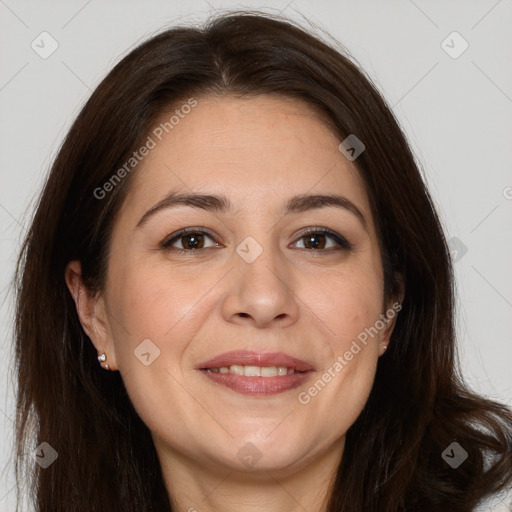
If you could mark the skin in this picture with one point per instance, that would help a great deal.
(310, 303)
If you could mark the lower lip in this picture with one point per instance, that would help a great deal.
(259, 386)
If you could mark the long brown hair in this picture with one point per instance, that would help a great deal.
(419, 404)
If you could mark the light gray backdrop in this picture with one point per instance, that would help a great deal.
(455, 104)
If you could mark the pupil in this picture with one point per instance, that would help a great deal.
(311, 238)
(195, 241)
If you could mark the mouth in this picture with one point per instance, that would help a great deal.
(257, 374)
(253, 371)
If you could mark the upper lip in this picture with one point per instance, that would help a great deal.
(253, 358)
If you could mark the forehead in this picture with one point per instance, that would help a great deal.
(257, 150)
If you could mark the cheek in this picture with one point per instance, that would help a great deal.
(349, 388)
(350, 305)
(151, 299)
(150, 303)
(342, 387)
(351, 310)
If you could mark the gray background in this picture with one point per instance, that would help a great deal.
(457, 113)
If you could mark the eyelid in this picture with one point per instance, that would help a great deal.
(168, 240)
(340, 240)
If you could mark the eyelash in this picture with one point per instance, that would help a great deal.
(341, 241)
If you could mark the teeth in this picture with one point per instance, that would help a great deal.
(236, 369)
(254, 371)
(268, 371)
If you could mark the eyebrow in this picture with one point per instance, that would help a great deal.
(222, 204)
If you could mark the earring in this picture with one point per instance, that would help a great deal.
(385, 347)
(101, 359)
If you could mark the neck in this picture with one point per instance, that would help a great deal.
(209, 487)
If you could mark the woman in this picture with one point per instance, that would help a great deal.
(236, 293)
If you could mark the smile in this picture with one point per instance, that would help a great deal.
(253, 371)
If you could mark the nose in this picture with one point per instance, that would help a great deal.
(260, 293)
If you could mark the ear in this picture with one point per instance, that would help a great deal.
(92, 313)
(393, 307)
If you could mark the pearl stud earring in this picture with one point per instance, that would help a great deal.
(101, 359)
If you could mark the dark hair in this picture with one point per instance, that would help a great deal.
(418, 405)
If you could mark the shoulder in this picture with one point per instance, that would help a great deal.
(501, 502)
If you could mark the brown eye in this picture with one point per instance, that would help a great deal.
(315, 241)
(192, 241)
(189, 240)
(323, 240)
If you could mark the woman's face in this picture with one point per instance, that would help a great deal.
(254, 276)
